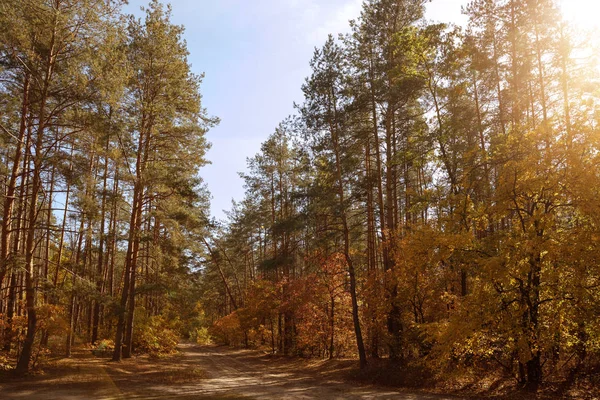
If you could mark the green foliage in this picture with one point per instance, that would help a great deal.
(105, 345)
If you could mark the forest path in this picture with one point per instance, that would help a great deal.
(200, 372)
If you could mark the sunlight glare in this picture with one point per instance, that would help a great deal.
(585, 14)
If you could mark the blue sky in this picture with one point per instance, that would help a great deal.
(255, 55)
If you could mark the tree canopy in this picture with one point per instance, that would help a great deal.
(433, 200)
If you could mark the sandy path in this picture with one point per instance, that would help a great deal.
(200, 373)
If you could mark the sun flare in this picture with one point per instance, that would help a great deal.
(585, 14)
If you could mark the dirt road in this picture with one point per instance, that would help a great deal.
(199, 373)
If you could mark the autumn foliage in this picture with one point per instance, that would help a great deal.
(434, 200)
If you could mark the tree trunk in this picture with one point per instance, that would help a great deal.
(100, 264)
(346, 234)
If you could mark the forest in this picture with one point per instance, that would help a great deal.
(433, 201)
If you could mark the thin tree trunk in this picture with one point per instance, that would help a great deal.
(100, 264)
(9, 198)
(346, 233)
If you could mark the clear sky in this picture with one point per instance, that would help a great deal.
(255, 54)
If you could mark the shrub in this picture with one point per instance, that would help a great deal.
(227, 330)
(105, 344)
(202, 336)
(153, 336)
